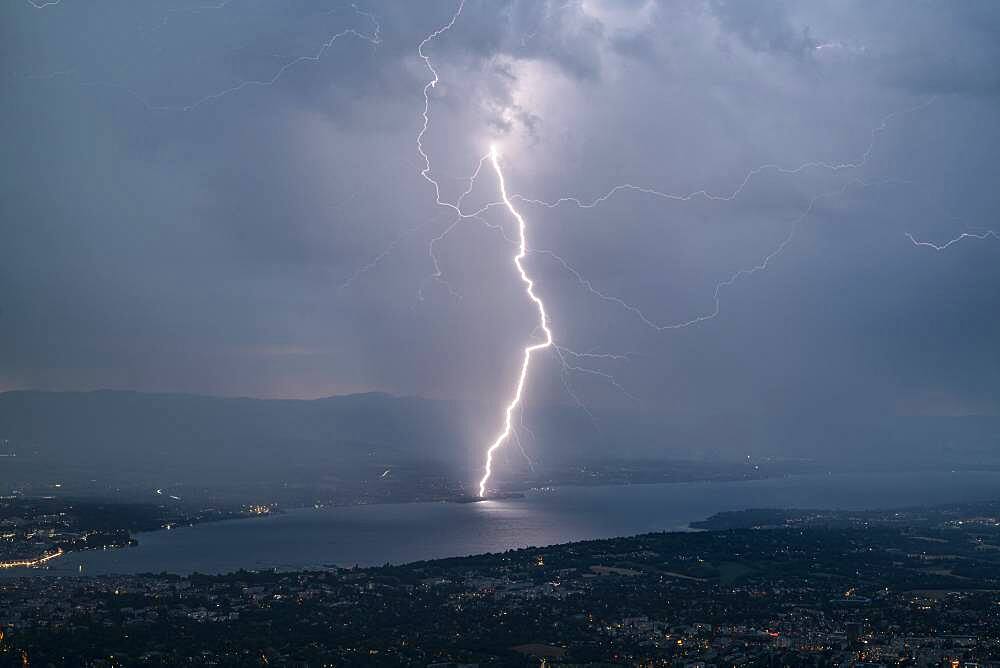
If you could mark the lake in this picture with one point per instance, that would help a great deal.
(398, 533)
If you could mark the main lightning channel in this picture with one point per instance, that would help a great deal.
(543, 324)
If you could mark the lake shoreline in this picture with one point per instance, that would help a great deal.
(375, 534)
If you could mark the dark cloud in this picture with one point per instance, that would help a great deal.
(149, 247)
(765, 26)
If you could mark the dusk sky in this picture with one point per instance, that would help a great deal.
(226, 198)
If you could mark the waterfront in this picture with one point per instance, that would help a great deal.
(398, 533)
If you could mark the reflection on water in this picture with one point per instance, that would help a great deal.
(396, 533)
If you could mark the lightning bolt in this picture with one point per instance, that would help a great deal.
(543, 323)
(428, 87)
(564, 355)
(964, 235)
(834, 167)
(522, 245)
(374, 38)
(377, 260)
(703, 193)
(762, 265)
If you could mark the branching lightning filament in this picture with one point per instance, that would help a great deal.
(543, 323)
(982, 236)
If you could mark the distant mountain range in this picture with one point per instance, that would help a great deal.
(200, 436)
(138, 437)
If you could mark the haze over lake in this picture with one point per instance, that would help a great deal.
(398, 533)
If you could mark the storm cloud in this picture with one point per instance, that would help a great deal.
(176, 218)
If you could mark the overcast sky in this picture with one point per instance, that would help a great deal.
(225, 198)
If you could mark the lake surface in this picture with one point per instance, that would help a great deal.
(399, 533)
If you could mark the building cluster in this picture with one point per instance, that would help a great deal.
(33, 539)
(743, 597)
(34, 531)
